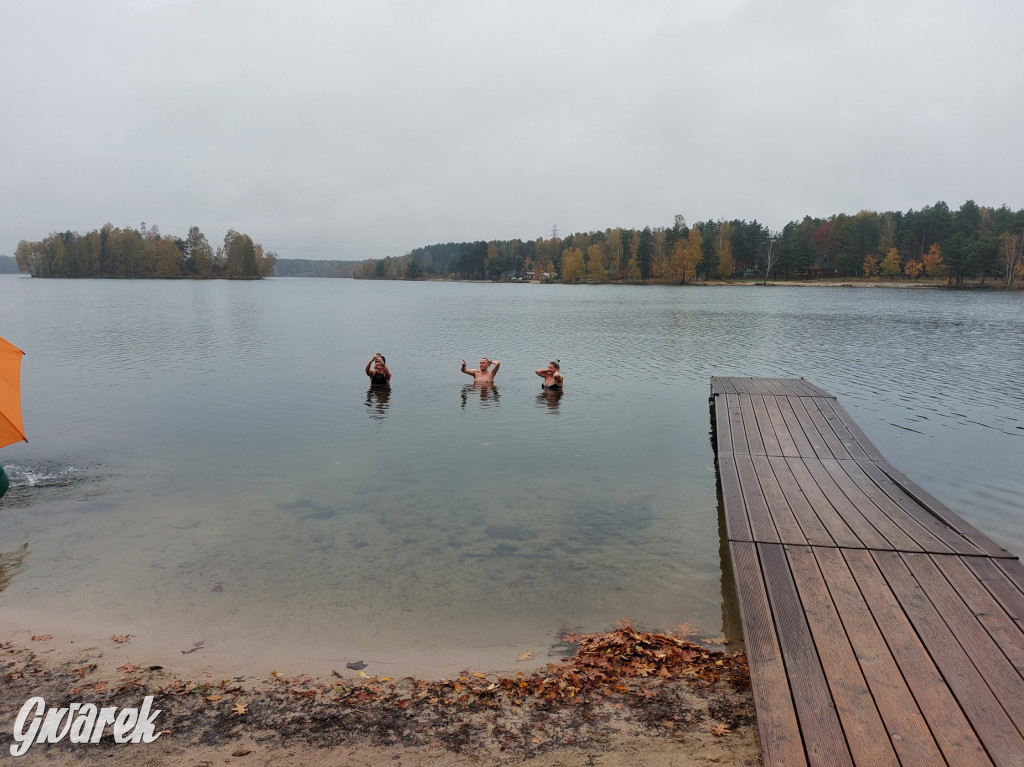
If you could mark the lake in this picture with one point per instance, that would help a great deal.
(207, 464)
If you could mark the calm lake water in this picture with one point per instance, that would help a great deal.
(206, 462)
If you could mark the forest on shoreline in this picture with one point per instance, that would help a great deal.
(144, 253)
(933, 243)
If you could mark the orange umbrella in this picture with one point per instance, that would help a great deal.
(11, 427)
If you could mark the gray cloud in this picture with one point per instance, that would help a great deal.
(359, 129)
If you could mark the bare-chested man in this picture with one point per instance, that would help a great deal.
(486, 373)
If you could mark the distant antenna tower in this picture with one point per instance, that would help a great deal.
(143, 230)
(554, 231)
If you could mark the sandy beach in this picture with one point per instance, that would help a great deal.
(625, 697)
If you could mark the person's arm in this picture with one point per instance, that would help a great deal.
(368, 371)
(496, 366)
(542, 372)
(468, 372)
(387, 373)
(560, 378)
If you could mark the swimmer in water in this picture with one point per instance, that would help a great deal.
(552, 376)
(486, 373)
(380, 376)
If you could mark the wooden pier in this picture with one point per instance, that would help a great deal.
(880, 627)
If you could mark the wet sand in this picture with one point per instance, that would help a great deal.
(693, 709)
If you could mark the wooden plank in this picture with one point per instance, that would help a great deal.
(850, 514)
(762, 526)
(1014, 571)
(754, 442)
(999, 585)
(954, 540)
(943, 512)
(736, 523)
(810, 429)
(998, 672)
(796, 431)
(862, 725)
(815, 391)
(775, 387)
(785, 522)
(909, 732)
(893, 533)
(990, 721)
(776, 717)
(1000, 625)
(755, 386)
(872, 452)
(828, 436)
(722, 426)
(947, 722)
(830, 518)
(815, 709)
(787, 445)
(794, 387)
(736, 430)
(765, 427)
(834, 420)
(814, 531)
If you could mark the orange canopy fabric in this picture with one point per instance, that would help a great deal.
(11, 428)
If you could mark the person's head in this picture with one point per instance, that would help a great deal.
(484, 363)
(553, 365)
(379, 363)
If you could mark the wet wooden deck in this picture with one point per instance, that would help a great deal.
(880, 627)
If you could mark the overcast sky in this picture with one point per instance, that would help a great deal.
(362, 129)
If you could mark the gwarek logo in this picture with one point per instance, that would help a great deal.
(82, 723)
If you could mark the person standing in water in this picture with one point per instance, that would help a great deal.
(380, 376)
(552, 376)
(486, 373)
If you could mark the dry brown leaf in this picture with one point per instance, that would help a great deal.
(720, 730)
(212, 698)
(240, 708)
(41, 637)
(525, 656)
(121, 638)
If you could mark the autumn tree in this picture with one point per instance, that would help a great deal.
(198, 252)
(931, 261)
(871, 266)
(595, 264)
(572, 265)
(891, 263)
(913, 269)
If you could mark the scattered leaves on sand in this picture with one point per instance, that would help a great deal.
(240, 708)
(41, 637)
(121, 638)
(717, 640)
(524, 656)
(720, 729)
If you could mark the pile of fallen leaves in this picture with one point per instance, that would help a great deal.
(657, 680)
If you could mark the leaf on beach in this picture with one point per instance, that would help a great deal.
(240, 708)
(196, 646)
(356, 665)
(525, 656)
(121, 638)
(720, 730)
(41, 637)
(717, 640)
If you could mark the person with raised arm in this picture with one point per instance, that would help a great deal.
(380, 376)
(552, 376)
(486, 373)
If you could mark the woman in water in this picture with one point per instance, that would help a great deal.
(380, 376)
(552, 376)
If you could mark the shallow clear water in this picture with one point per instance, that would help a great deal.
(205, 457)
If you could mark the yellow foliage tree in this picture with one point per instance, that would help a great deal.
(913, 269)
(871, 267)
(595, 264)
(572, 265)
(891, 263)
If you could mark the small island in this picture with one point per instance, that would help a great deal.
(110, 252)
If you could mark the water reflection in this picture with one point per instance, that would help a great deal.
(548, 398)
(377, 400)
(488, 394)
